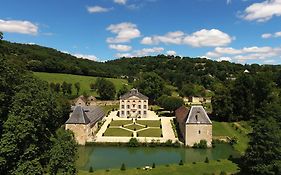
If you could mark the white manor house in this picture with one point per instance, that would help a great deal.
(133, 104)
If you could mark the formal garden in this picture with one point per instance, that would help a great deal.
(137, 128)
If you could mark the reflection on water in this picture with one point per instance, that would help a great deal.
(112, 157)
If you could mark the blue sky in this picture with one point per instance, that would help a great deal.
(243, 31)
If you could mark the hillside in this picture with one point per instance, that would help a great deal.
(84, 81)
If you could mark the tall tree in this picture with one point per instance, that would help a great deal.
(170, 103)
(69, 88)
(105, 89)
(124, 89)
(151, 85)
(57, 87)
(64, 87)
(77, 87)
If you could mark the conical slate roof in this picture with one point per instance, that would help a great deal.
(78, 116)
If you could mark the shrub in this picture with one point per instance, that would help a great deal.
(202, 144)
(153, 165)
(206, 160)
(133, 142)
(193, 162)
(223, 173)
(132, 135)
(230, 157)
(181, 162)
(107, 170)
(233, 140)
(123, 167)
(91, 169)
(167, 165)
(169, 142)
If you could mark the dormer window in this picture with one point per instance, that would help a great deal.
(199, 132)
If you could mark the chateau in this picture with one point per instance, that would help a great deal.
(194, 124)
(133, 104)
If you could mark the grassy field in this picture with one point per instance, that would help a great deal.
(120, 122)
(109, 108)
(200, 168)
(149, 123)
(117, 132)
(151, 132)
(84, 81)
(233, 129)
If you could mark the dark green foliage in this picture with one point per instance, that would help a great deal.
(69, 88)
(151, 85)
(223, 173)
(133, 142)
(63, 153)
(77, 87)
(206, 160)
(181, 162)
(124, 89)
(64, 87)
(170, 103)
(264, 152)
(153, 165)
(123, 167)
(57, 87)
(105, 89)
(91, 169)
(1, 35)
(192, 90)
(202, 144)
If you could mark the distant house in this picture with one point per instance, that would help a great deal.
(83, 101)
(196, 100)
(133, 104)
(83, 122)
(194, 124)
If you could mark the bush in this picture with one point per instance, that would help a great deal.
(230, 157)
(107, 170)
(91, 169)
(133, 142)
(206, 160)
(153, 165)
(181, 162)
(233, 140)
(193, 162)
(123, 167)
(169, 142)
(202, 144)
(223, 173)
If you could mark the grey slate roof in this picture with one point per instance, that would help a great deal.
(85, 115)
(198, 115)
(133, 92)
(78, 116)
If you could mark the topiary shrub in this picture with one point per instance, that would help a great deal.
(181, 162)
(153, 165)
(206, 160)
(123, 167)
(91, 169)
(133, 142)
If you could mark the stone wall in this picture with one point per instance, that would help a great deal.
(81, 132)
(196, 132)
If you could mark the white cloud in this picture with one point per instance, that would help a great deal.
(262, 11)
(224, 59)
(171, 52)
(122, 2)
(246, 53)
(83, 56)
(125, 32)
(201, 38)
(97, 9)
(271, 35)
(207, 38)
(142, 52)
(16, 26)
(120, 47)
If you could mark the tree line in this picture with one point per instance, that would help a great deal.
(65, 88)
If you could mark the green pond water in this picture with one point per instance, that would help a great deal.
(107, 157)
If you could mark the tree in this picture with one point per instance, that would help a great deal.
(181, 162)
(64, 87)
(1, 35)
(264, 152)
(63, 153)
(151, 85)
(170, 103)
(77, 87)
(69, 88)
(57, 87)
(92, 86)
(105, 89)
(123, 167)
(52, 86)
(133, 142)
(124, 89)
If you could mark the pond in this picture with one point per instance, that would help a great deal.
(107, 157)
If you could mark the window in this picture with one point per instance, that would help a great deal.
(139, 101)
(196, 117)
(134, 101)
(128, 106)
(144, 106)
(144, 112)
(134, 105)
(139, 106)
(122, 106)
(122, 112)
(128, 112)
(139, 112)
(199, 132)
(144, 101)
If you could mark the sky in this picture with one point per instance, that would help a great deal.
(240, 31)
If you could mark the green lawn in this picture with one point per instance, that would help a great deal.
(117, 132)
(151, 132)
(108, 108)
(233, 130)
(134, 126)
(120, 122)
(200, 168)
(149, 123)
(84, 81)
